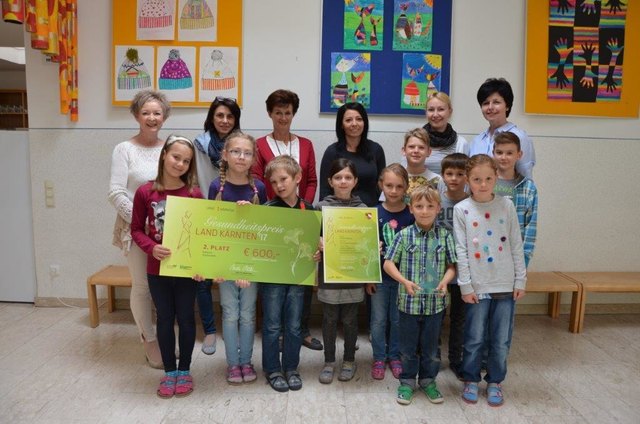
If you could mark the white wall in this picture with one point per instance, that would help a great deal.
(18, 278)
(588, 194)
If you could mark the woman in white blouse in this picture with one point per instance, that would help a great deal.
(133, 163)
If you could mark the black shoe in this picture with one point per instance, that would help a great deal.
(293, 380)
(313, 344)
(278, 383)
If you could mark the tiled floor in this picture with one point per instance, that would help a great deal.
(56, 369)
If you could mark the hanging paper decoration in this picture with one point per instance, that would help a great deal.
(62, 59)
(53, 26)
(30, 18)
(62, 14)
(53, 29)
(40, 38)
(13, 11)
(72, 41)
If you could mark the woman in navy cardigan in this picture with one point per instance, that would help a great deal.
(352, 128)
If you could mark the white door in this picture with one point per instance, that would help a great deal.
(17, 262)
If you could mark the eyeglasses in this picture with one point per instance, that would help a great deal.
(238, 153)
(226, 99)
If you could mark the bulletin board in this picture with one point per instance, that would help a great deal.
(582, 58)
(191, 50)
(387, 73)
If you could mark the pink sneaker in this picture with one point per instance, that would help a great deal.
(167, 387)
(184, 383)
(377, 370)
(396, 368)
(234, 375)
(248, 373)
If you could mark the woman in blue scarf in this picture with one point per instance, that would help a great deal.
(223, 118)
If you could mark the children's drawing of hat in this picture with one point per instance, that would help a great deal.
(216, 74)
(175, 74)
(133, 74)
(412, 94)
(196, 14)
(155, 14)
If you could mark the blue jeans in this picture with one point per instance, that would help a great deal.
(205, 306)
(282, 304)
(174, 298)
(238, 321)
(488, 322)
(306, 312)
(384, 308)
(456, 326)
(419, 332)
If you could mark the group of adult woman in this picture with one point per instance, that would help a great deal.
(134, 162)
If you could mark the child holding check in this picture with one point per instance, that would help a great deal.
(282, 304)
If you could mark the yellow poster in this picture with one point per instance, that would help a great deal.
(582, 58)
(191, 50)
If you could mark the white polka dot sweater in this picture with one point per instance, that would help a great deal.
(489, 246)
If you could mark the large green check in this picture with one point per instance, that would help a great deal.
(351, 252)
(249, 242)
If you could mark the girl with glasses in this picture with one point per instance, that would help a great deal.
(222, 119)
(238, 298)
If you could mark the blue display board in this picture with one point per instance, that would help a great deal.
(361, 59)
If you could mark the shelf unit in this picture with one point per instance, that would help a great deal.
(13, 110)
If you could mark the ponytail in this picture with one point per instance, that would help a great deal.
(255, 199)
(223, 178)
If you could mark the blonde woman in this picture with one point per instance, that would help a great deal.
(135, 162)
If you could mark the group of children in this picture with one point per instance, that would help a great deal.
(435, 239)
(472, 236)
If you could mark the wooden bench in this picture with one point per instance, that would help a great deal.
(555, 284)
(111, 276)
(114, 276)
(603, 282)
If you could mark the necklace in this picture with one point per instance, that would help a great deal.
(289, 142)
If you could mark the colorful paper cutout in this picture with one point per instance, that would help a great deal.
(218, 73)
(420, 77)
(134, 70)
(176, 65)
(155, 20)
(133, 73)
(363, 25)
(198, 20)
(586, 44)
(350, 78)
(413, 21)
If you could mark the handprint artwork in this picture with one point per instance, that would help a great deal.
(585, 53)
